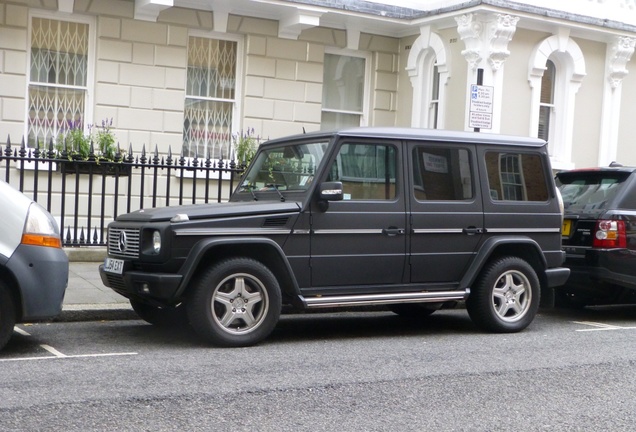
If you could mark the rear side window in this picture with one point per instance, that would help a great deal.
(588, 191)
(516, 177)
(441, 174)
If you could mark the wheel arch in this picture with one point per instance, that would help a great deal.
(14, 290)
(522, 247)
(263, 250)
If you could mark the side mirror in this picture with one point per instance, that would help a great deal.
(331, 191)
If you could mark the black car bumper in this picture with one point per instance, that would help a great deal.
(139, 285)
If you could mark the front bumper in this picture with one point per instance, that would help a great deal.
(161, 288)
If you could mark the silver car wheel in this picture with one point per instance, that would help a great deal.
(239, 303)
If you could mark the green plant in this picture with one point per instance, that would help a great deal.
(77, 144)
(245, 145)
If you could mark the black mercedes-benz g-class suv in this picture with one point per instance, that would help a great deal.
(411, 219)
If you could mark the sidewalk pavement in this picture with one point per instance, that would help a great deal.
(86, 296)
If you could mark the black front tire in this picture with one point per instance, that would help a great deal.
(235, 303)
(7, 315)
(505, 298)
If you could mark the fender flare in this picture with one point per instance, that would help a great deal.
(487, 249)
(202, 247)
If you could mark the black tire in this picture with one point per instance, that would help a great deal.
(160, 316)
(505, 298)
(414, 310)
(7, 315)
(237, 302)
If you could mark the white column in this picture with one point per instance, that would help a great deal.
(619, 52)
(486, 38)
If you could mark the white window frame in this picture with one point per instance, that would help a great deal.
(90, 73)
(364, 114)
(238, 84)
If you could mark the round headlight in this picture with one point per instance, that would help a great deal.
(156, 242)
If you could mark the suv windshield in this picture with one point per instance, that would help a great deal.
(283, 169)
(587, 190)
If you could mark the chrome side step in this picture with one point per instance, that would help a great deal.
(391, 298)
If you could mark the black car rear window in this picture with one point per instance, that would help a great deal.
(589, 190)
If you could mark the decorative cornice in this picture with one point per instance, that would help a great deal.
(470, 30)
(486, 36)
(501, 33)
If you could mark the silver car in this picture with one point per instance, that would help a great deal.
(33, 265)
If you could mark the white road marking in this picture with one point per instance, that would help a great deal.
(53, 351)
(54, 357)
(20, 331)
(600, 326)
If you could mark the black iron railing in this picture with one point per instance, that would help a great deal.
(84, 195)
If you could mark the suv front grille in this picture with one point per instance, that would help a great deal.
(123, 242)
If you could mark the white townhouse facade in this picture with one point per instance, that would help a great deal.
(188, 74)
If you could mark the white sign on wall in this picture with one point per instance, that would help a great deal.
(481, 101)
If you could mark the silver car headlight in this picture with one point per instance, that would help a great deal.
(156, 242)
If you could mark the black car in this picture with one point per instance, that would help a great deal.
(411, 219)
(599, 235)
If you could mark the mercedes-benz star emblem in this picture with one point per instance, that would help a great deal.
(123, 242)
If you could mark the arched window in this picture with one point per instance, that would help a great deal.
(556, 70)
(433, 109)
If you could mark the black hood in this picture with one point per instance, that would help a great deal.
(200, 211)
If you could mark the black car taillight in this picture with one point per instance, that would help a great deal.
(610, 234)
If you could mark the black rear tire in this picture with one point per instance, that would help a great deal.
(505, 298)
(7, 315)
(235, 303)
(414, 310)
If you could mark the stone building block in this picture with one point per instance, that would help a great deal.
(171, 56)
(141, 31)
(175, 78)
(258, 108)
(205, 20)
(382, 100)
(259, 26)
(277, 129)
(379, 43)
(385, 62)
(140, 119)
(286, 69)
(315, 53)
(324, 36)
(306, 112)
(261, 66)
(386, 81)
(256, 45)
(14, 62)
(383, 118)
(108, 27)
(284, 90)
(104, 112)
(173, 121)
(179, 15)
(142, 76)
(141, 98)
(119, 8)
(107, 71)
(13, 109)
(178, 36)
(312, 72)
(17, 16)
(115, 50)
(171, 100)
(286, 49)
(13, 39)
(283, 111)
(143, 54)
(114, 95)
(313, 92)
(13, 86)
(254, 86)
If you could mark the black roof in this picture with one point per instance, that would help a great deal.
(415, 133)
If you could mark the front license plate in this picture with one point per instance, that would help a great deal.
(112, 265)
(567, 226)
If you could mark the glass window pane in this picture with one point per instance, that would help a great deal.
(343, 83)
(516, 177)
(207, 128)
(211, 68)
(441, 174)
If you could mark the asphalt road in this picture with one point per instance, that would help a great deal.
(372, 371)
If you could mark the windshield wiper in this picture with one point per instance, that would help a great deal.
(282, 198)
